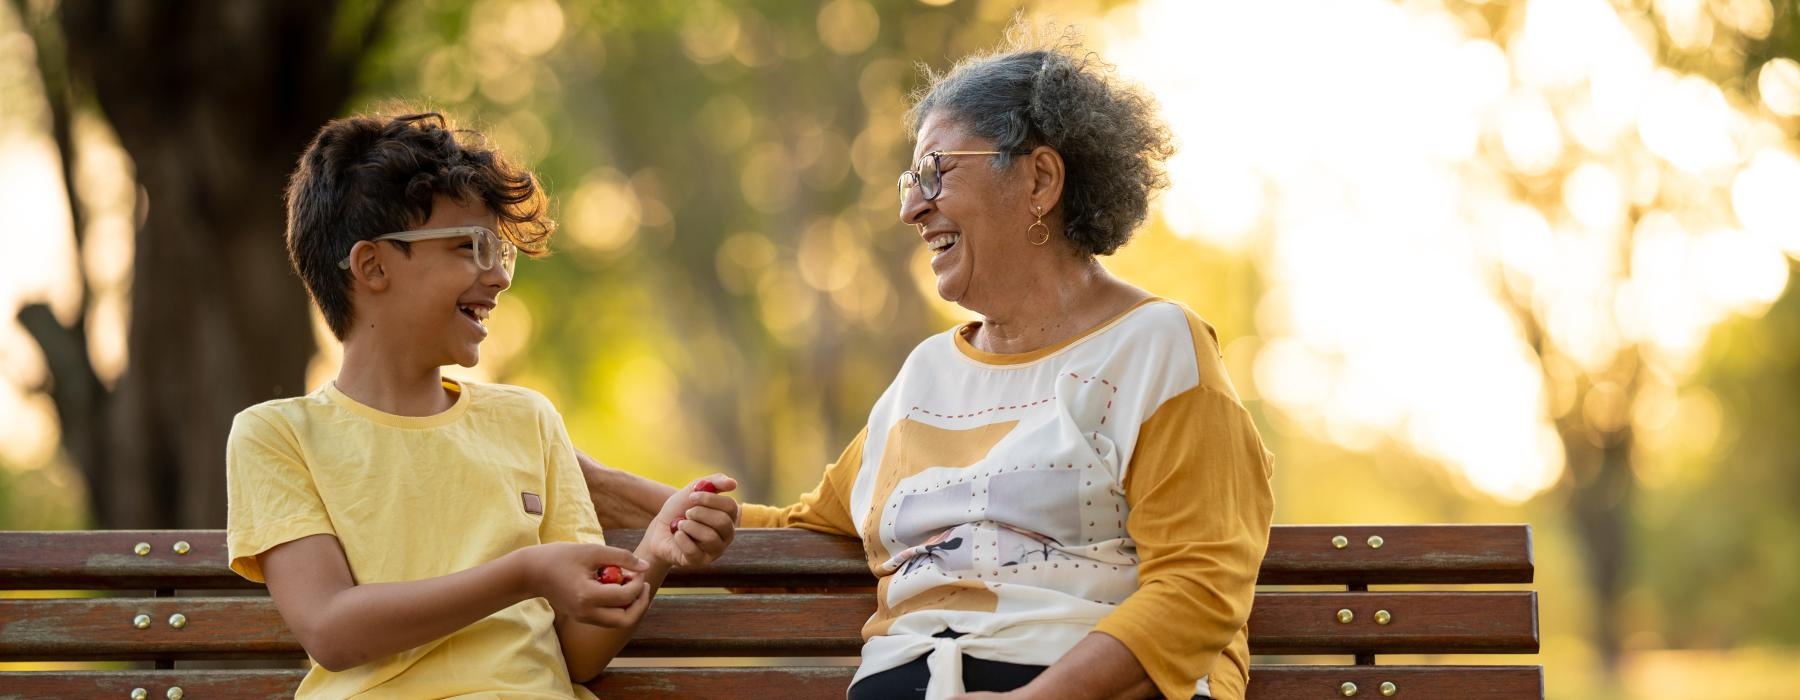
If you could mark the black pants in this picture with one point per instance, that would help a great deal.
(908, 680)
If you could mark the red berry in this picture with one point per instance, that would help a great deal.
(706, 486)
(676, 526)
(612, 574)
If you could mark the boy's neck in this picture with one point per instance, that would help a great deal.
(392, 382)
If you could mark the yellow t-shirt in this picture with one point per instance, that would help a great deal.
(415, 498)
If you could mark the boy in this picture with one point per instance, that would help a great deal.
(422, 536)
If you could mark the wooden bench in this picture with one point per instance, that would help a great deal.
(165, 600)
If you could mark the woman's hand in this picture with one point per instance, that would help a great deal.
(696, 524)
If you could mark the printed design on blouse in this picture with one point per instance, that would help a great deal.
(913, 447)
(944, 532)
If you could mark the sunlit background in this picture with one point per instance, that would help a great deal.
(1471, 262)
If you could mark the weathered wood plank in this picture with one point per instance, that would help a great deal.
(1285, 682)
(765, 625)
(1298, 554)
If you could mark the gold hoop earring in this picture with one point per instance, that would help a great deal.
(1044, 237)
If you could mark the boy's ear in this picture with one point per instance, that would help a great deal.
(366, 266)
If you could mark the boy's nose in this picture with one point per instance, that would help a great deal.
(497, 277)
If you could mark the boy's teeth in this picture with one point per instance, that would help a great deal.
(945, 241)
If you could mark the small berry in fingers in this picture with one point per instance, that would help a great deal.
(706, 486)
(612, 575)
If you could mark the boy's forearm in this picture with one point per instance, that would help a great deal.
(369, 621)
(588, 649)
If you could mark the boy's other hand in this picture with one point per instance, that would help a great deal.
(567, 575)
(696, 524)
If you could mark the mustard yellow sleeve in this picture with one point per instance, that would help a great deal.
(1201, 504)
(824, 509)
(568, 510)
(270, 498)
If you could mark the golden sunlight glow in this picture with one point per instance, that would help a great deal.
(1778, 81)
(39, 266)
(1378, 149)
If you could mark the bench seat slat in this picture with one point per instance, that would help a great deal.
(1282, 682)
(765, 625)
(1298, 554)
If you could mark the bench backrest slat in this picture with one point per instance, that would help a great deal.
(1279, 682)
(763, 625)
(1298, 554)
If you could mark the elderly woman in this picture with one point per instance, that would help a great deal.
(1066, 498)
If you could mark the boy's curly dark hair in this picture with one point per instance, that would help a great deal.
(365, 176)
(1044, 89)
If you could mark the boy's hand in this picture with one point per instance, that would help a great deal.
(695, 525)
(567, 574)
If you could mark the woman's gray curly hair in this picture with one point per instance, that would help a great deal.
(1054, 93)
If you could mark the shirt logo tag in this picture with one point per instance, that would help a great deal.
(533, 504)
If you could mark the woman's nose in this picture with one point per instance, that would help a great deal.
(914, 206)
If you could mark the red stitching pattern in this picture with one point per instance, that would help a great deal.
(981, 412)
(985, 411)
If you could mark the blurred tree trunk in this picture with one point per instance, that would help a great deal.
(213, 102)
(1602, 486)
(1600, 483)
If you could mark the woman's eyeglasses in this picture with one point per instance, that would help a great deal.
(929, 175)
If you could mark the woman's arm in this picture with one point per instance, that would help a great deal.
(1201, 505)
(621, 499)
(1098, 667)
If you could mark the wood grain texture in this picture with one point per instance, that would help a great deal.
(1298, 554)
(1283, 682)
(765, 625)
(809, 598)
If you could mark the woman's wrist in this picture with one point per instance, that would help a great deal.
(621, 500)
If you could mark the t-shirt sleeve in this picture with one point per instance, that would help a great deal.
(270, 495)
(568, 510)
(1201, 505)
(824, 509)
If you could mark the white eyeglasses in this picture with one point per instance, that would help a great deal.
(490, 248)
